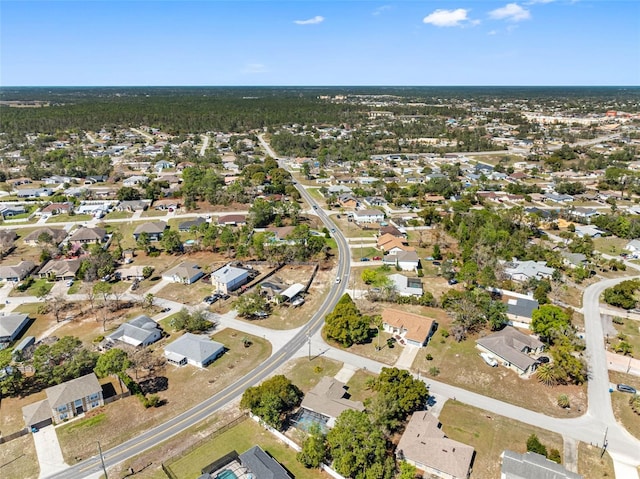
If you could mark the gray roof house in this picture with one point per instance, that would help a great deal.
(532, 466)
(406, 286)
(11, 326)
(140, 331)
(62, 269)
(192, 349)
(328, 399)
(65, 401)
(17, 272)
(512, 348)
(424, 445)
(186, 226)
(186, 272)
(633, 246)
(262, 465)
(85, 235)
(229, 278)
(405, 260)
(525, 270)
(520, 310)
(154, 229)
(57, 235)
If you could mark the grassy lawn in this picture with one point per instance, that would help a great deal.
(152, 213)
(64, 218)
(358, 252)
(241, 438)
(631, 330)
(461, 365)
(75, 287)
(620, 402)
(186, 293)
(33, 288)
(490, 434)
(610, 245)
(316, 195)
(591, 465)
(18, 459)
(306, 374)
(118, 215)
(357, 385)
(187, 386)
(387, 355)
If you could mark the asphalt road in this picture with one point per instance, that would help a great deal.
(198, 413)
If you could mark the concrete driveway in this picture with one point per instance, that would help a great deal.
(48, 451)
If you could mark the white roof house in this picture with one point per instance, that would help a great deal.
(12, 325)
(193, 349)
(368, 216)
(229, 278)
(525, 270)
(406, 286)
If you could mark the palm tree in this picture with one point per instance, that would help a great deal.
(547, 375)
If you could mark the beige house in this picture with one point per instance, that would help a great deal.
(327, 398)
(65, 401)
(513, 349)
(425, 445)
(408, 328)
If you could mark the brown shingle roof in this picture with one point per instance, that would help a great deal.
(418, 327)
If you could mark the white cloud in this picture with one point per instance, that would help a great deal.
(492, 32)
(382, 9)
(511, 12)
(447, 18)
(254, 68)
(533, 2)
(311, 21)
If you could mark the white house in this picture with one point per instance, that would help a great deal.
(405, 260)
(525, 270)
(229, 278)
(193, 349)
(406, 286)
(368, 216)
(140, 331)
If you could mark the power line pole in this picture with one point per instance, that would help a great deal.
(102, 461)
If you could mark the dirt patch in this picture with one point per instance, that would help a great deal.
(18, 459)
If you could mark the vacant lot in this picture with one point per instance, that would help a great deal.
(630, 332)
(306, 374)
(610, 245)
(591, 465)
(490, 434)
(18, 459)
(65, 218)
(620, 402)
(461, 365)
(186, 387)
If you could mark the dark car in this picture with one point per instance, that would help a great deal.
(625, 388)
(165, 310)
(453, 281)
(436, 263)
(364, 259)
(315, 207)
(543, 359)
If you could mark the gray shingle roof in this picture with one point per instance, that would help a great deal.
(12, 324)
(136, 331)
(68, 392)
(262, 465)
(533, 466)
(509, 344)
(196, 348)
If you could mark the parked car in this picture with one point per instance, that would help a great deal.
(436, 263)
(376, 258)
(69, 283)
(453, 281)
(625, 388)
(490, 360)
(364, 259)
(165, 310)
(543, 359)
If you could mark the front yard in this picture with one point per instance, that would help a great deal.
(620, 402)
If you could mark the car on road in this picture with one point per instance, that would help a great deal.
(315, 207)
(333, 230)
(625, 388)
(364, 259)
(337, 280)
(490, 360)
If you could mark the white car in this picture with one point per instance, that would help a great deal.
(490, 360)
(337, 280)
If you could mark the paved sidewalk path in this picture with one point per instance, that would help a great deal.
(570, 447)
(48, 451)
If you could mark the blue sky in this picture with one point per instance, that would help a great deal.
(350, 42)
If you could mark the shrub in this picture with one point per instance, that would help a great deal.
(444, 333)
(429, 357)
(434, 371)
(534, 445)
(554, 455)
(563, 401)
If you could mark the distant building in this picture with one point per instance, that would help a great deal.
(532, 466)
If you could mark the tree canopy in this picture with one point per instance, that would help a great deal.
(346, 325)
(272, 399)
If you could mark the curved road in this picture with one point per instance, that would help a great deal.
(158, 434)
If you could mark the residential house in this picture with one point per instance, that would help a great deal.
(368, 216)
(54, 235)
(133, 205)
(11, 326)
(280, 233)
(424, 445)
(167, 204)
(186, 272)
(229, 278)
(162, 165)
(140, 331)
(338, 189)
(65, 401)
(405, 260)
(193, 349)
(57, 180)
(347, 200)
(408, 328)
(34, 192)
(16, 273)
(392, 230)
(232, 220)
(633, 246)
(588, 230)
(84, 235)
(393, 244)
(9, 211)
(254, 463)
(135, 180)
(329, 399)
(558, 198)
(574, 260)
(375, 201)
(513, 349)
(406, 286)
(531, 465)
(520, 310)
(154, 230)
(55, 209)
(525, 270)
(584, 214)
(186, 226)
(60, 269)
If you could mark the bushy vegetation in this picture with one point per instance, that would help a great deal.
(346, 325)
(272, 400)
